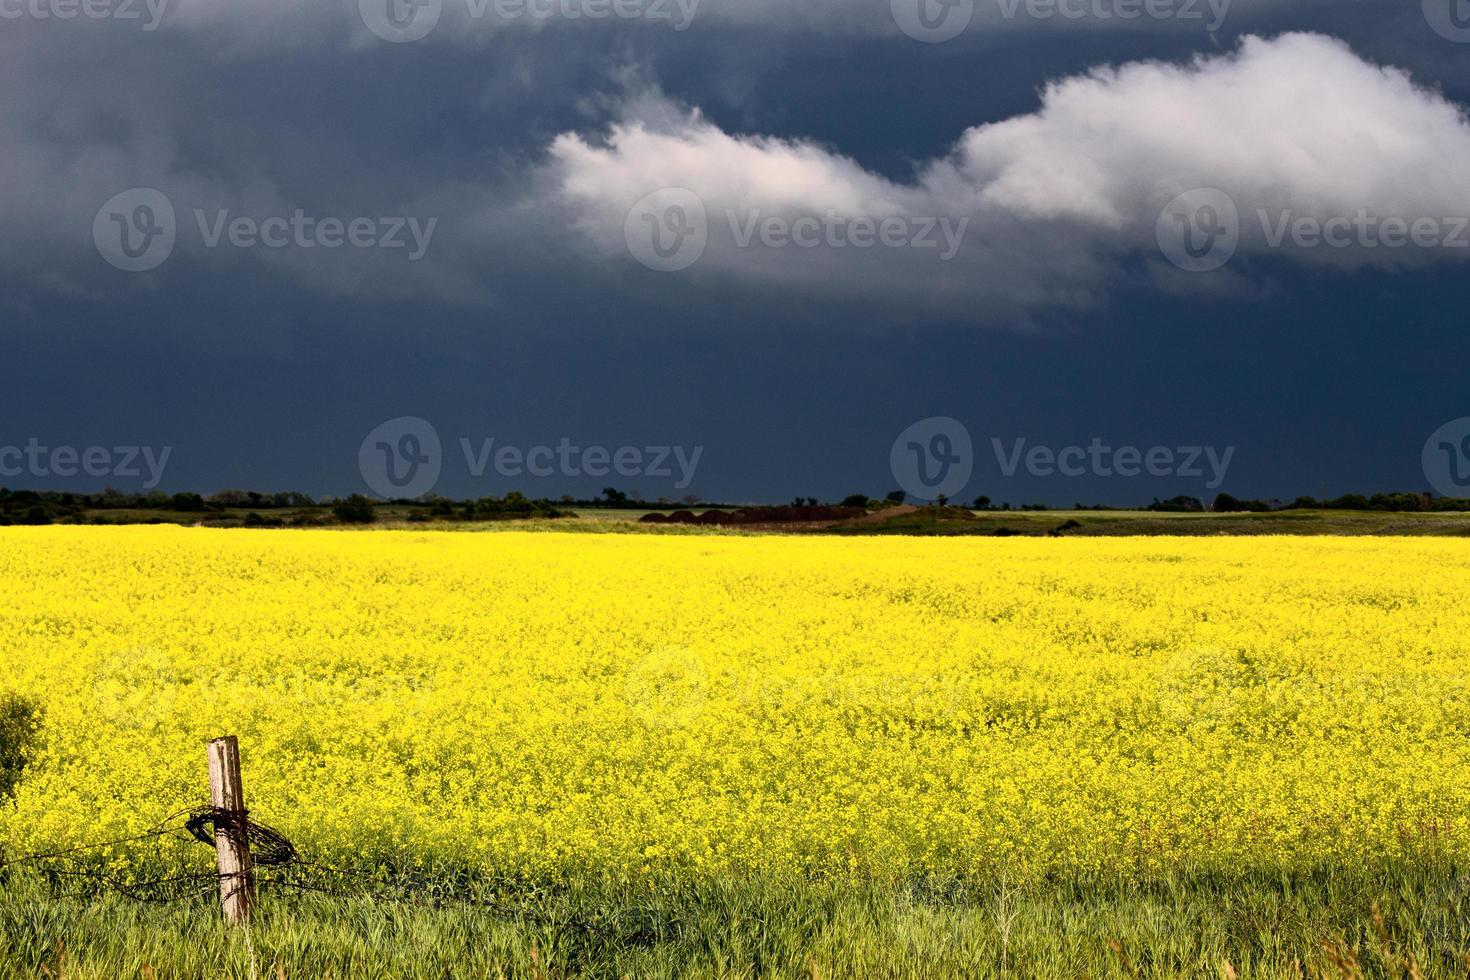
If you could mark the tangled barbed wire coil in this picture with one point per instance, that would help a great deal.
(269, 848)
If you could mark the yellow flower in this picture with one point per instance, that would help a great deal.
(640, 705)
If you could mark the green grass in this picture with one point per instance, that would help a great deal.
(1261, 926)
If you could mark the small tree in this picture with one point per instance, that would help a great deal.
(1178, 505)
(188, 503)
(1225, 503)
(36, 515)
(355, 509)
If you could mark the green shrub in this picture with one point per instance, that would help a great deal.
(36, 515)
(20, 730)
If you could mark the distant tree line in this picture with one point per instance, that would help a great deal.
(292, 509)
(614, 499)
(1401, 503)
(1222, 504)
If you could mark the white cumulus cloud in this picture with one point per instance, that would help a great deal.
(1060, 205)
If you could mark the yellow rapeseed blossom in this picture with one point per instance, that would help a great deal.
(637, 705)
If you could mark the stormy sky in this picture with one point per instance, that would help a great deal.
(1041, 250)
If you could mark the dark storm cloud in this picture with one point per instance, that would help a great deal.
(265, 350)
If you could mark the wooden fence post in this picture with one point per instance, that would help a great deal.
(236, 875)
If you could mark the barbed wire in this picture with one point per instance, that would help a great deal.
(162, 829)
(283, 866)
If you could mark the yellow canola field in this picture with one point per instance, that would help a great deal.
(550, 704)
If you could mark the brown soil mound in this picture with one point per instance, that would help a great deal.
(882, 516)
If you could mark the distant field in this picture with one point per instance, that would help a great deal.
(922, 522)
(753, 755)
(1113, 522)
(1045, 523)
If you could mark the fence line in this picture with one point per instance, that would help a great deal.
(255, 846)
